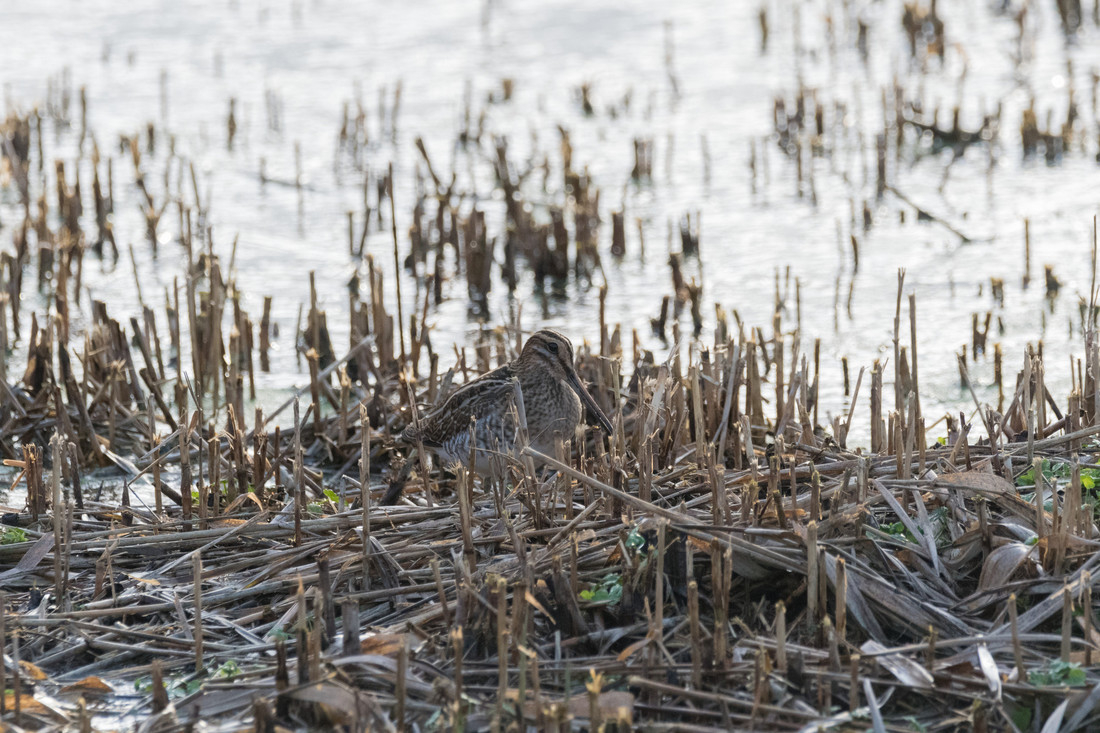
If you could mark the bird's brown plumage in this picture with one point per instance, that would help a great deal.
(553, 396)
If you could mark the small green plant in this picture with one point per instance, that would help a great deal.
(332, 496)
(897, 529)
(1056, 673)
(608, 592)
(12, 535)
(175, 687)
(228, 670)
(183, 689)
(1055, 473)
(1029, 497)
(1090, 477)
(937, 518)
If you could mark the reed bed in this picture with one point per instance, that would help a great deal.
(720, 561)
(728, 558)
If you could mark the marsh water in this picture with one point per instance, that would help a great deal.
(696, 78)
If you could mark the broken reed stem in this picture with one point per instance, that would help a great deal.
(930, 652)
(57, 519)
(465, 520)
(397, 267)
(459, 702)
(1067, 623)
(502, 653)
(422, 455)
(1086, 615)
(1017, 650)
(841, 598)
(349, 614)
(781, 637)
(1040, 515)
(400, 684)
(594, 688)
(324, 585)
(185, 460)
(853, 684)
(696, 636)
(812, 575)
(364, 490)
(441, 592)
(658, 582)
(160, 694)
(16, 678)
(299, 495)
(196, 559)
(301, 629)
(3, 652)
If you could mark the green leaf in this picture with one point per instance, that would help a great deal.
(1057, 673)
(228, 670)
(1051, 471)
(331, 496)
(12, 535)
(1021, 717)
(608, 592)
(1076, 676)
(898, 529)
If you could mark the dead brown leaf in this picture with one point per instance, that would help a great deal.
(385, 645)
(89, 686)
(32, 671)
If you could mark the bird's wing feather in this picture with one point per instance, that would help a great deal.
(468, 401)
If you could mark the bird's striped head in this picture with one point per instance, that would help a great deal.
(548, 349)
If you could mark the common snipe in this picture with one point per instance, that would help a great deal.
(552, 397)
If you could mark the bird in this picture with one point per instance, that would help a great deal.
(553, 399)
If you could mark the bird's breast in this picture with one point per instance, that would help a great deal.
(553, 410)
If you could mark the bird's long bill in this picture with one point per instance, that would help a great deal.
(575, 383)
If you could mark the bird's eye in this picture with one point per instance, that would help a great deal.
(553, 347)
